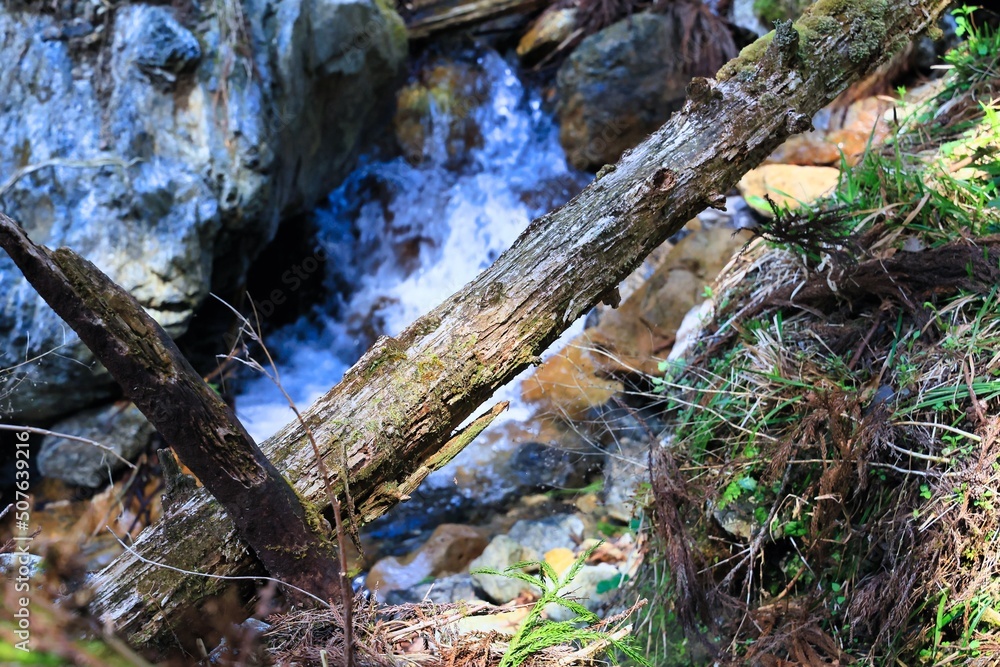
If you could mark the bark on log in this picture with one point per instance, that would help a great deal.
(425, 18)
(191, 417)
(387, 419)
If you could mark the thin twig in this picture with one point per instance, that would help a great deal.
(77, 438)
(215, 576)
(347, 593)
(952, 429)
(969, 372)
(584, 654)
(918, 455)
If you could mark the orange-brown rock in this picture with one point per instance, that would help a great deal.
(560, 559)
(637, 334)
(552, 28)
(505, 622)
(811, 148)
(787, 185)
(848, 132)
(644, 328)
(449, 550)
(568, 383)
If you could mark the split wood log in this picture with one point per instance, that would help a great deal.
(193, 419)
(426, 18)
(392, 418)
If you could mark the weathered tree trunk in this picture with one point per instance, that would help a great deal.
(425, 18)
(191, 417)
(388, 418)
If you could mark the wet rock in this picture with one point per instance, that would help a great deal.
(167, 150)
(122, 428)
(622, 83)
(736, 215)
(449, 550)
(502, 552)
(690, 329)
(538, 467)
(588, 504)
(638, 278)
(810, 148)
(632, 417)
(552, 28)
(568, 383)
(787, 185)
(678, 284)
(496, 474)
(410, 524)
(440, 102)
(633, 337)
(736, 519)
(454, 588)
(619, 85)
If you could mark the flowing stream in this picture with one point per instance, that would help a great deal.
(404, 236)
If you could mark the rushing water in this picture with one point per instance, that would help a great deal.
(405, 236)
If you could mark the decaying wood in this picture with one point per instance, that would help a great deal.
(425, 18)
(191, 417)
(388, 418)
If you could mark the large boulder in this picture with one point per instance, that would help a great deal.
(165, 143)
(622, 83)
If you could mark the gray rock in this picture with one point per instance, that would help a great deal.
(167, 145)
(164, 44)
(583, 589)
(561, 530)
(123, 429)
(737, 519)
(622, 83)
(538, 467)
(501, 553)
(625, 469)
(454, 588)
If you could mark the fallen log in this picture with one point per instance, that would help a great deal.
(392, 418)
(192, 418)
(425, 18)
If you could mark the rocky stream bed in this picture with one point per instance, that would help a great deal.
(304, 156)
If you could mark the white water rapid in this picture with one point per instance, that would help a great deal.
(406, 236)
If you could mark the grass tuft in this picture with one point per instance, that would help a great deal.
(828, 489)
